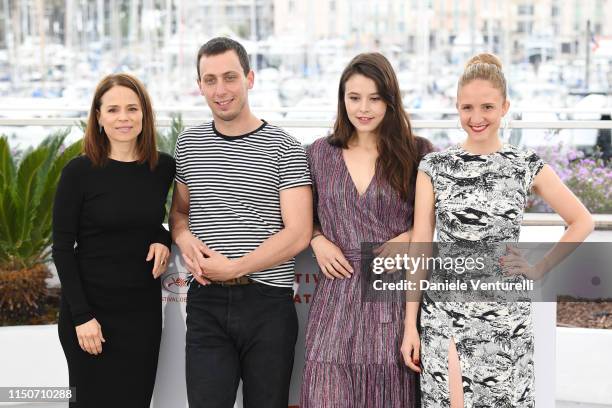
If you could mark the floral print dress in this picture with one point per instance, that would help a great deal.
(479, 199)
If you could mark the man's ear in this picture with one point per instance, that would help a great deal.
(199, 83)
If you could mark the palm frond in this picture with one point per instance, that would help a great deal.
(166, 141)
(24, 195)
(44, 211)
(7, 166)
(27, 191)
(7, 174)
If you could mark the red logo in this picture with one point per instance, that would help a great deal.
(177, 282)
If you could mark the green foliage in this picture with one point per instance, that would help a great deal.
(82, 124)
(27, 190)
(167, 141)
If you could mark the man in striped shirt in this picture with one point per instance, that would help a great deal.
(241, 210)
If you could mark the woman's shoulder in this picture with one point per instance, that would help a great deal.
(526, 155)
(78, 164)
(522, 153)
(76, 171)
(424, 146)
(165, 158)
(437, 155)
(431, 162)
(322, 143)
(521, 150)
(320, 146)
(166, 162)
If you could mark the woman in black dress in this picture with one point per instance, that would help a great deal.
(110, 202)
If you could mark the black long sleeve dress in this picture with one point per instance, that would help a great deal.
(113, 214)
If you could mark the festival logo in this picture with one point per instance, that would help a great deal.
(176, 282)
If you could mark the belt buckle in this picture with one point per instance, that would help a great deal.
(243, 280)
(231, 282)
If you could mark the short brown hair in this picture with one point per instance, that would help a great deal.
(220, 45)
(96, 145)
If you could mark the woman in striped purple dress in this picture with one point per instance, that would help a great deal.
(363, 178)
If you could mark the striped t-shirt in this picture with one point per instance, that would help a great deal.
(234, 185)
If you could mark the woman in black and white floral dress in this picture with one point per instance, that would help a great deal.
(480, 354)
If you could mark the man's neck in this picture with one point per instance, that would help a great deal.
(239, 126)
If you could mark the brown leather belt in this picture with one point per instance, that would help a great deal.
(243, 280)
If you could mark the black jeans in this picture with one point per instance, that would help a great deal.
(236, 332)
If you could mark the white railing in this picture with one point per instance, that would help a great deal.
(603, 221)
(322, 123)
(326, 109)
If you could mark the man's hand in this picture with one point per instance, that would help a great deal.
(219, 268)
(193, 251)
(205, 264)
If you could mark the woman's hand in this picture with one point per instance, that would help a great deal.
(90, 337)
(515, 264)
(330, 258)
(160, 253)
(394, 247)
(411, 348)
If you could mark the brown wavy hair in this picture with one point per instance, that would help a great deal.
(95, 143)
(398, 153)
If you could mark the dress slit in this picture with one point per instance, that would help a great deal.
(452, 342)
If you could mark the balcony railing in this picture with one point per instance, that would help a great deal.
(56, 117)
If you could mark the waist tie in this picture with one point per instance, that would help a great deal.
(377, 311)
(352, 254)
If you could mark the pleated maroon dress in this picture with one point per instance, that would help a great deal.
(353, 357)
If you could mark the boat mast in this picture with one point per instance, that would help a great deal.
(42, 36)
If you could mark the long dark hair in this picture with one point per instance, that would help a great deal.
(95, 143)
(398, 152)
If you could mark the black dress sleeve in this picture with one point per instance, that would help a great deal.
(66, 215)
(167, 171)
(163, 237)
